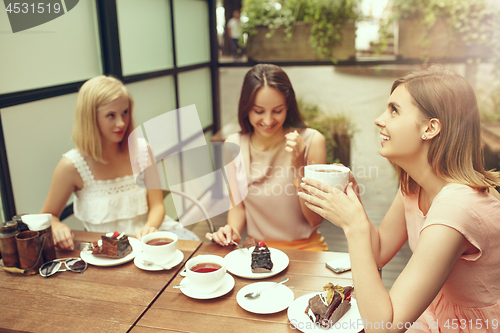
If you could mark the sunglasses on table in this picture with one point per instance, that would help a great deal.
(50, 268)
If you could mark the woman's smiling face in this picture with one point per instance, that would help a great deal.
(401, 126)
(268, 113)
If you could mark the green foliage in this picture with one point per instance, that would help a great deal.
(475, 22)
(337, 129)
(271, 15)
(326, 17)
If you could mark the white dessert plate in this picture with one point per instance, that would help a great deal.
(270, 301)
(350, 322)
(226, 286)
(176, 260)
(238, 263)
(103, 261)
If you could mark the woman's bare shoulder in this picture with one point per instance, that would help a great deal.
(67, 171)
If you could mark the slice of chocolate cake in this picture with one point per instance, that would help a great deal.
(327, 308)
(261, 259)
(112, 245)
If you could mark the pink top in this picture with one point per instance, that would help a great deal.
(470, 299)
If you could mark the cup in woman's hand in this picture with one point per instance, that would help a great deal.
(334, 175)
(159, 247)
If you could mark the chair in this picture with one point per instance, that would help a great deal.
(196, 202)
(182, 233)
(185, 233)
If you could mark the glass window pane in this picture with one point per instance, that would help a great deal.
(152, 98)
(195, 87)
(60, 51)
(33, 156)
(192, 37)
(145, 45)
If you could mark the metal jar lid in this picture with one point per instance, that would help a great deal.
(8, 229)
(20, 224)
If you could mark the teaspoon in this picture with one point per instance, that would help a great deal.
(254, 294)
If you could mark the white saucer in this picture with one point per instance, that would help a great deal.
(176, 260)
(270, 301)
(238, 262)
(226, 286)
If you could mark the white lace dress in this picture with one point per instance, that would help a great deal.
(117, 204)
(108, 205)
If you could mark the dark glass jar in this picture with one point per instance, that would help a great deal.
(8, 246)
(20, 224)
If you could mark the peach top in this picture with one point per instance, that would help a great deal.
(272, 206)
(470, 299)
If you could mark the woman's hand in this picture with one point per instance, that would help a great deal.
(352, 180)
(224, 235)
(144, 231)
(296, 146)
(63, 237)
(342, 209)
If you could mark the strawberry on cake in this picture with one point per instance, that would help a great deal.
(261, 259)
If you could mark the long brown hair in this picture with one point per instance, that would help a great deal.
(455, 154)
(93, 94)
(272, 76)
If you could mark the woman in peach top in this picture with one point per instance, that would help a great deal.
(275, 145)
(447, 208)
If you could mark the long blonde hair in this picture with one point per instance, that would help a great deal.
(93, 94)
(455, 154)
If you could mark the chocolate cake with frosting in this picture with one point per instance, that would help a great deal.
(261, 259)
(112, 245)
(328, 307)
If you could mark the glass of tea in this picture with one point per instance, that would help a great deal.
(159, 247)
(206, 272)
(333, 175)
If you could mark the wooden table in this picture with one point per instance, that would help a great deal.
(102, 299)
(172, 311)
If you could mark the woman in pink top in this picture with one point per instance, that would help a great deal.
(447, 208)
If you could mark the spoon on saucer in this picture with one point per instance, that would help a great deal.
(150, 263)
(180, 285)
(255, 294)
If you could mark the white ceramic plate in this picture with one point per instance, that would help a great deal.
(176, 260)
(102, 261)
(238, 263)
(350, 322)
(270, 301)
(226, 286)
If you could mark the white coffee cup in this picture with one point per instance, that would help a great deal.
(159, 254)
(207, 282)
(333, 175)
